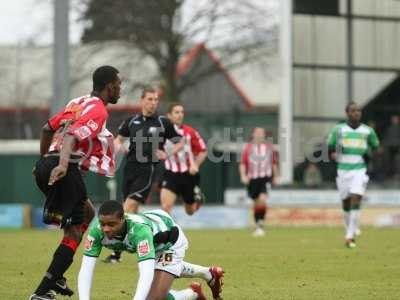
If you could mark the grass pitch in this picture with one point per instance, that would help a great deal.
(288, 263)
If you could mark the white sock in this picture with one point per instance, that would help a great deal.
(191, 271)
(187, 294)
(353, 223)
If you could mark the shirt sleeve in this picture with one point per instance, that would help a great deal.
(332, 138)
(170, 131)
(373, 140)
(197, 143)
(142, 239)
(123, 129)
(92, 245)
(89, 124)
(245, 155)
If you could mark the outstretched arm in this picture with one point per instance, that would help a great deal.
(146, 274)
(85, 277)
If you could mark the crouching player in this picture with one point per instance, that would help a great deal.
(160, 246)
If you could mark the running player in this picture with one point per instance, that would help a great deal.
(257, 168)
(74, 140)
(181, 177)
(349, 144)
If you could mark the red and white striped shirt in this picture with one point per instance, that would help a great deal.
(194, 144)
(85, 118)
(258, 159)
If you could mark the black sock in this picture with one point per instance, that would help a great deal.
(62, 259)
(117, 254)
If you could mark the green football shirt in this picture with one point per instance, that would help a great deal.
(352, 144)
(140, 230)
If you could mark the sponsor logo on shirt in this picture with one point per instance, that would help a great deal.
(92, 124)
(83, 132)
(143, 248)
(136, 122)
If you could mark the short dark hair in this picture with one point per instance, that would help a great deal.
(102, 76)
(111, 207)
(173, 105)
(351, 103)
(147, 89)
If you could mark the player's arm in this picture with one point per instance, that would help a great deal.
(146, 275)
(85, 277)
(332, 143)
(199, 150)
(60, 171)
(142, 238)
(46, 136)
(373, 140)
(92, 250)
(119, 144)
(172, 135)
(243, 166)
(275, 167)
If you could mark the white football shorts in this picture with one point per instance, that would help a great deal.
(351, 182)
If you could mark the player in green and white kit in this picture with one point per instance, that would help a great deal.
(349, 144)
(159, 244)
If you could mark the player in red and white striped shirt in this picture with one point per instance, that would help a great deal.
(181, 177)
(258, 167)
(75, 139)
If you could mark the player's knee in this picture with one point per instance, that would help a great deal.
(131, 206)
(73, 232)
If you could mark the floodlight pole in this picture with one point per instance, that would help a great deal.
(286, 104)
(61, 79)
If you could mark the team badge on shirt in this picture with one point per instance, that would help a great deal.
(143, 248)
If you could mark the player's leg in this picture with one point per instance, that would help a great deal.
(161, 289)
(65, 205)
(357, 190)
(191, 193)
(212, 275)
(260, 211)
(343, 183)
(167, 199)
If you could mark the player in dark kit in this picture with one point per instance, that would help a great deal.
(147, 133)
(74, 140)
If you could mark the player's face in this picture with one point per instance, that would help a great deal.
(258, 135)
(115, 91)
(111, 225)
(149, 103)
(176, 115)
(354, 113)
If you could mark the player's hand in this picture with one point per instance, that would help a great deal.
(194, 169)
(334, 156)
(245, 180)
(57, 173)
(161, 155)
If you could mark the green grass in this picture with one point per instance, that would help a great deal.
(288, 263)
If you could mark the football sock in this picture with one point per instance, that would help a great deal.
(353, 223)
(187, 294)
(117, 254)
(259, 214)
(62, 259)
(191, 270)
